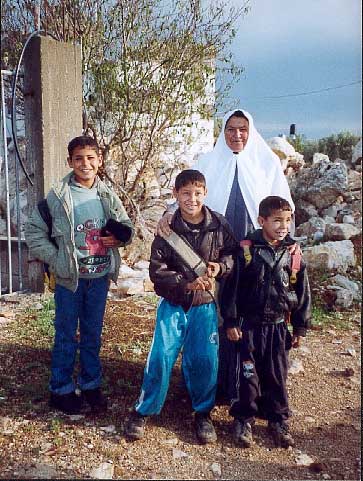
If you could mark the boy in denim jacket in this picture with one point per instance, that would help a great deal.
(89, 224)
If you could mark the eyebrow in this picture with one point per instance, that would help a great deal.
(88, 155)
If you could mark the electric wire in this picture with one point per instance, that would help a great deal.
(311, 92)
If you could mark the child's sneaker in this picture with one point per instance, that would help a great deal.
(68, 403)
(135, 427)
(95, 399)
(204, 428)
(242, 433)
(280, 434)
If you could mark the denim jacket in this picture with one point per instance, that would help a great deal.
(62, 257)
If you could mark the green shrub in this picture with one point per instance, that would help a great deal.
(337, 146)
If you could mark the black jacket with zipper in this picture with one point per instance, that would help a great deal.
(214, 242)
(261, 292)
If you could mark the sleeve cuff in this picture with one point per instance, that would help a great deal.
(230, 322)
(299, 331)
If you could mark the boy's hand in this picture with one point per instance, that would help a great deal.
(200, 284)
(110, 241)
(234, 333)
(296, 341)
(213, 269)
(163, 226)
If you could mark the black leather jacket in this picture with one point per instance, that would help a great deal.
(213, 242)
(262, 292)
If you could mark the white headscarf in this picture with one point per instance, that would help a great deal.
(259, 172)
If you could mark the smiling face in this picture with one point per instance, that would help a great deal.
(236, 133)
(85, 162)
(276, 226)
(190, 198)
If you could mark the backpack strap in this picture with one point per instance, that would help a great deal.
(188, 255)
(45, 214)
(246, 246)
(295, 264)
(43, 209)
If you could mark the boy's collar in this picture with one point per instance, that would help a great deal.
(72, 180)
(257, 236)
(201, 221)
(209, 221)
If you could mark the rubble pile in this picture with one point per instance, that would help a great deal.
(328, 225)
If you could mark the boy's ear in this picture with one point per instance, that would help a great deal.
(69, 161)
(175, 192)
(260, 220)
(100, 157)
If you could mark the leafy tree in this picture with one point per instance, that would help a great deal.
(298, 142)
(149, 67)
(337, 146)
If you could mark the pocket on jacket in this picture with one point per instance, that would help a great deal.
(62, 263)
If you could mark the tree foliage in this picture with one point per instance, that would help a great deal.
(336, 146)
(149, 67)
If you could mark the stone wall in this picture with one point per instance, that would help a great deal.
(328, 200)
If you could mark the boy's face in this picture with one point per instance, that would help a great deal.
(276, 226)
(236, 133)
(85, 162)
(190, 198)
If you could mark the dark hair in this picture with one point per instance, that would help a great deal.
(189, 176)
(270, 204)
(82, 141)
(239, 114)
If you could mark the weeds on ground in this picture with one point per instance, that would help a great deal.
(324, 319)
(40, 322)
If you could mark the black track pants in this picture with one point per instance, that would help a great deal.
(260, 373)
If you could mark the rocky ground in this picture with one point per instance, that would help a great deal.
(324, 388)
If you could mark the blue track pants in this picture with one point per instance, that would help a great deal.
(196, 332)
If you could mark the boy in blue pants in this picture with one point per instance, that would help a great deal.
(186, 316)
(89, 223)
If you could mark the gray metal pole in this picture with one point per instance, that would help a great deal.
(6, 186)
(18, 225)
(17, 203)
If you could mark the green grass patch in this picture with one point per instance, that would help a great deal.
(325, 319)
(56, 425)
(40, 322)
(151, 299)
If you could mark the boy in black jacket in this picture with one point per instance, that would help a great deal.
(186, 316)
(258, 299)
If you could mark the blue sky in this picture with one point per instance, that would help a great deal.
(295, 46)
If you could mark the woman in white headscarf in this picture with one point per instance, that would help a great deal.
(240, 171)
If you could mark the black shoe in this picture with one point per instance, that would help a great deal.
(95, 399)
(242, 433)
(135, 426)
(68, 403)
(204, 428)
(280, 434)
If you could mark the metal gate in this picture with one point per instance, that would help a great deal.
(12, 243)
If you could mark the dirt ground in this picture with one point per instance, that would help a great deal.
(324, 390)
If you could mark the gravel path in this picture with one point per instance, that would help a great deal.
(324, 389)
